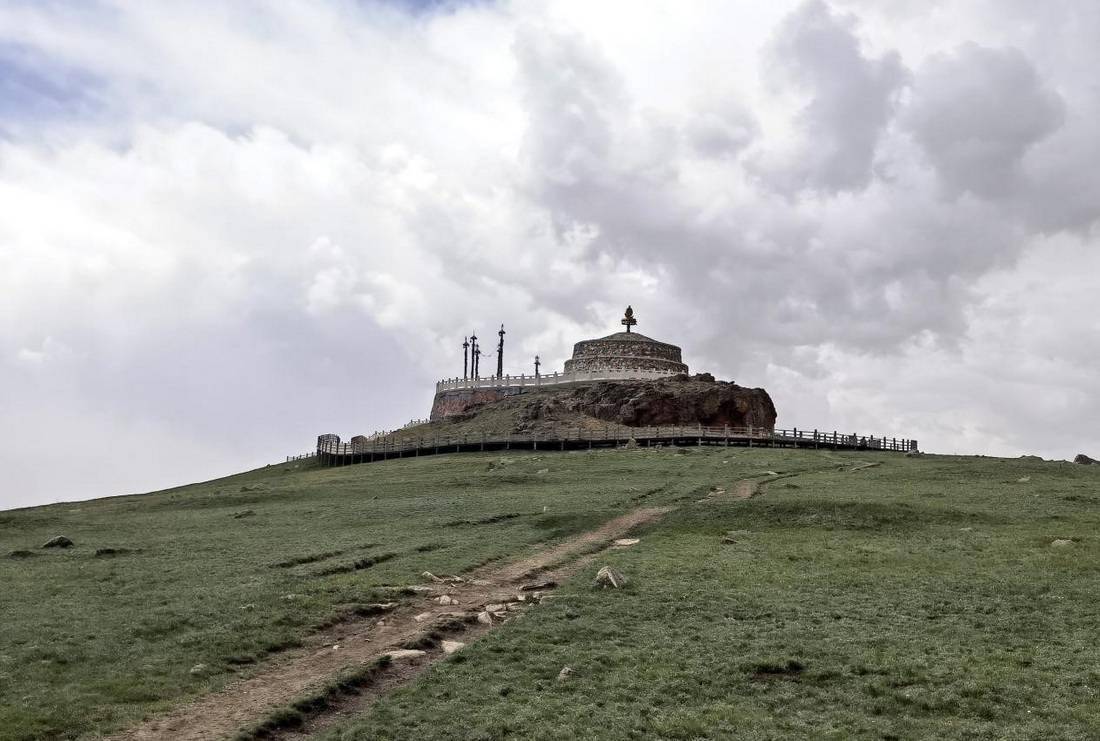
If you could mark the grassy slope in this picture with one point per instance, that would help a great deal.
(905, 622)
(92, 643)
(919, 599)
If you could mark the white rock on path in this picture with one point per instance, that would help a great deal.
(446, 599)
(625, 542)
(1061, 543)
(405, 653)
(449, 647)
(485, 618)
(422, 617)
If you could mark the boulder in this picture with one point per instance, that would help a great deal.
(485, 618)
(446, 599)
(197, 670)
(564, 673)
(608, 577)
(58, 541)
(1084, 460)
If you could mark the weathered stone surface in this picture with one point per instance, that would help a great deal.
(58, 541)
(1061, 543)
(449, 647)
(452, 403)
(1085, 460)
(564, 673)
(404, 654)
(609, 577)
(625, 351)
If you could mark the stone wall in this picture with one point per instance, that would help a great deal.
(450, 403)
(626, 352)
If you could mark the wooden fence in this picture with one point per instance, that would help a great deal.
(332, 453)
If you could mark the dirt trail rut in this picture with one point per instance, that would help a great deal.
(354, 644)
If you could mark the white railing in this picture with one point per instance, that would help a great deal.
(547, 379)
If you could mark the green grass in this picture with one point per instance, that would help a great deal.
(917, 598)
(224, 573)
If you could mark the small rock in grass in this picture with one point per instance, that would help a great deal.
(58, 541)
(625, 542)
(449, 647)
(485, 618)
(405, 653)
(241, 515)
(432, 577)
(541, 471)
(197, 669)
(422, 617)
(419, 588)
(609, 577)
(249, 606)
(446, 599)
(538, 586)
(564, 673)
(772, 473)
(1023, 479)
(966, 529)
(1061, 543)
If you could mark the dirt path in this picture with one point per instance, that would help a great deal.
(354, 644)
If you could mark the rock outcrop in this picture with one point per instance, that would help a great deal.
(677, 400)
(1085, 460)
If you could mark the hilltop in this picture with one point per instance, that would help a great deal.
(771, 593)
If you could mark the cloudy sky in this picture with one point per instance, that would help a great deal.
(228, 227)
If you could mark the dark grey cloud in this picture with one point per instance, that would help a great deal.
(976, 113)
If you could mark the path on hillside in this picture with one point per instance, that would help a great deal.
(354, 644)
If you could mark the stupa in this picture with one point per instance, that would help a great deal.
(626, 351)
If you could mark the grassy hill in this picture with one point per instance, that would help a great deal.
(920, 597)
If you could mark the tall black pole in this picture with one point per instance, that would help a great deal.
(500, 353)
(475, 353)
(537, 364)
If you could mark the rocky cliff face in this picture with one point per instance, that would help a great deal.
(676, 400)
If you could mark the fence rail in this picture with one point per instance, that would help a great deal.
(332, 452)
(546, 379)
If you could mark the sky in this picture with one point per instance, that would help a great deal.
(226, 228)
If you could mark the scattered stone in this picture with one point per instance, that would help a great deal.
(1084, 460)
(290, 597)
(1061, 543)
(422, 617)
(631, 444)
(197, 669)
(500, 607)
(481, 582)
(58, 541)
(249, 606)
(22, 554)
(966, 529)
(538, 586)
(625, 542)
(1023, 479)
(449, 647)
(432, 577)
(241, 515)
(914, 454)
(564, 673)
(771, 473)
(541, 471)
(485, 618)
(405, 653)
(446, 599)
(609, 577)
